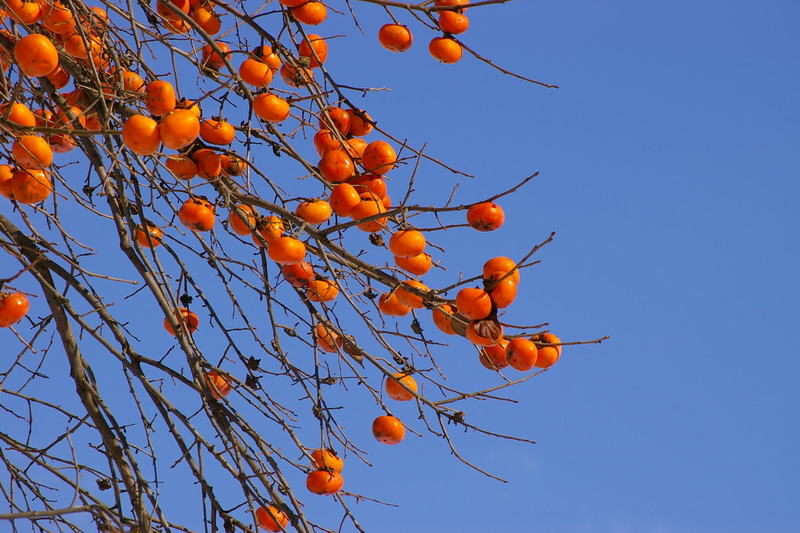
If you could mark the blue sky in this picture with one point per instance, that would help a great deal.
(669, 174)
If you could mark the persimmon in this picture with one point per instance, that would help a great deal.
(388, 304)
(197, 214)
(185, 317)
(18, 113)
(298, 274)
(484, 332)
(355, 147)
(324, 140)
(286, 250)
(267, 55)
(442, 320)
(336, 166)
(388, 429)
(360, 122)
(335, 118)
(179, 129)
(24, 11)
(164, 10)
(212, 59)
(327, 340)
(181, 166)
(271, 108)
(217, 131)
(452, 22)
(407, 243)
(219, 385)
(256, 73)
(311, 13)
(207, 19)
(485, 216)
(369, 206)
(271, 518)
(369, 183)
(57, 18)
(83, 46)
(548, 354)
(141, 135)
(494, 357)
(13, 308)
(32, 151)
(503, 292)
(500, 264)
(344, 198)
(521, 354)
(448, 3)
(379, 157)
(149, 236)
(268, 229)
(191, 105)
(209, 164)
(315, 211)
(324, 482)
(395, 37)
(242, 219)
(6, 175)
(131, 81)
(321, 290)
(326, 460)
(473, 303)
(31, 186)
(232, 164)
(409, 298)
(36, 55)
(292, 3)
(395, 390)
(417, 264)
(445, 50)
(318, 45)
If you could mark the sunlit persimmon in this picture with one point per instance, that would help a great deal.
(13, 308)
(388, 429)
(271, 108)
(324, 482)
(207, 19)
(409, 298)
(369, 183)
(191, 105)
(181, 166)
(6, 175)
(473, 303)
(504, 290)
(59, 78)
(314, 211)
(521, 354)
(211, 58)
(271, 518)
(327, 339)
(485, 216)
(184, 317)
(325, 140)
(197, 214)
(321, 290)
(268, 229)
(298, 274)
(286, 250)
(296, 76)
(417, 264)
(149, 236)
(452, 22)
(217, 131)
(239, 219)
(141, 134)
(219, 385)
(379, 157)
(335, 118)
(265, 54)
(344, 198)
(209, 164)
(369, 206)
(444, 3)
(360, 123)
(82, 46)
(484, 332)
(256, 73)
(500, 264)
(445, 50)
(494, 357)
(179, 129)
(232, 164)
(336, 166)
(355, 147)
(395, 390)
(326, 460)
(442, 320)
(549, 348)
(32, 151)
(24, 11)
(395, 37)
(315, 48)
(36, 55)
(388, 304)
(57, 18)
(31, 186)
(19, 114)
(311, 13)
(407, 243)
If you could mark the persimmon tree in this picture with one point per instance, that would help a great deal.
(246, 198)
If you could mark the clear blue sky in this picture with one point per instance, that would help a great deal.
(670, 175)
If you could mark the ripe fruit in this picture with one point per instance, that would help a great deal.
(388, 304)
(327, 340)
(445, 50)
(407, 297)
(270, 107)
(207, 19)
(286, 250)
(336, 166)
(209, 164)
(219, 385)
(213, 60)
(335, 118)
(485, 216)
(271, 518)
(521, 354)
(504, 292)
(160, 97)
(155, 234)
(324, 140)
(395, 37)
(256, 73)
(441, 318)
(239, 221)
(24, 11)
(141, 134)
(319, 46)
(324, 482)
(36, 55)
(417, 265)
(179, 129)
(217, 131)
(494, 357)
(197, 214)
(18, 114)
(379, 157)
(30, 186)
(360, 126)
(321, 290)
(326, 460)
(298, 274)
(183, 316)
(344, 198)
(396, 391)
(452, 22)
(32, 151)
(407, 243)
(500, 264)
(296, 76)
(388, 429)
(311, 13)
(315, 211)
(6, 175)
(548, 355)
(369, 206)
(181, 166)
(13, 308)
(473, 303)
(268, 229)
(484, 332)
